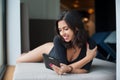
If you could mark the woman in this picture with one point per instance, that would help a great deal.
(72, 46)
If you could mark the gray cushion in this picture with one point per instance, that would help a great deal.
(101, 70)
(111, 38)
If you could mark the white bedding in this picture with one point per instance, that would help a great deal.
(101, 70)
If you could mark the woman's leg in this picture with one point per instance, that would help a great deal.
(36, 54)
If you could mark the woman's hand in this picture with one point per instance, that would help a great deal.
(91, 53)
(62, 69)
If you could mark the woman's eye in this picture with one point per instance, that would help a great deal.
(66, 28)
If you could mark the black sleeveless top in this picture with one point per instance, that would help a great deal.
(59, 51)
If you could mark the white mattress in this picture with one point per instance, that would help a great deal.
(101, 70)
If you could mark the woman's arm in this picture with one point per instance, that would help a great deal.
(76, 67)
(67, 69)
(90, 54)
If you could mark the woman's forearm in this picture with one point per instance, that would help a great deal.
(81, 63)
(79, 71)
(90, 54)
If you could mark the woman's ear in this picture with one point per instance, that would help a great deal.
(76, 30)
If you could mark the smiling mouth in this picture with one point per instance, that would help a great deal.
(65, 38)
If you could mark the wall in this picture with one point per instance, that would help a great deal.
(25, 38)
(1, 35)
(42, 16)
(41, 31)
(118, 38)
(43, 9)
(13, 23)
(13, 31)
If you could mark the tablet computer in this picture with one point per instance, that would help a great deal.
(48, 60)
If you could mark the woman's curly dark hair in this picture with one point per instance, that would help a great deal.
(73, 18)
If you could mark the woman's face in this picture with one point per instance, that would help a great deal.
(65, 32)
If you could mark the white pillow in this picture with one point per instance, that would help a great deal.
(111, 38)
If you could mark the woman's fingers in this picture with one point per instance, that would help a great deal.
(61, 64)
(95, 48)
(56, 69)
(87, 46)
(60, 70)
(91, 52)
